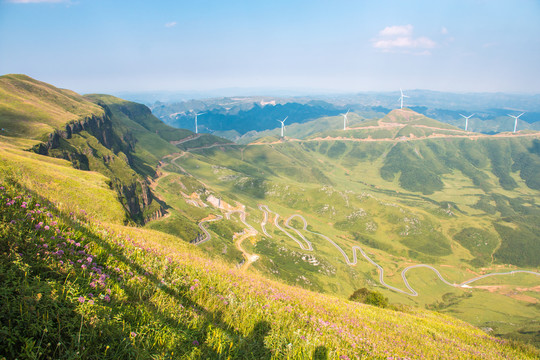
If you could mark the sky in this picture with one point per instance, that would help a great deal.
(298, 45)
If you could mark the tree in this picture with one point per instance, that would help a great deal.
(366, 296)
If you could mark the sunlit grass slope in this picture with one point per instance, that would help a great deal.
(56, 180)
(32, 109)
(73, 287)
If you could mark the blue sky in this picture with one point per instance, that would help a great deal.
(311, 45)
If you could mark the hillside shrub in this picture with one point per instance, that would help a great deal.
(370, 297)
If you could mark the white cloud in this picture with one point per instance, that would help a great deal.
(397, 30)
(400, 39)
(170, 24)
(37, 1)
(393, 43)
(444, 31)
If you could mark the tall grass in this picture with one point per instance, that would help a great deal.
(74, 288)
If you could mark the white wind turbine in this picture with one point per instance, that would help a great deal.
(196, 128)
(515, 117)
(345, 119)
(282, 125)
(401, 97)
(466, 120)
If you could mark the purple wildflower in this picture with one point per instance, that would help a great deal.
(81, 299)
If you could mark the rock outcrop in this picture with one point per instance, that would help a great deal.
(132, 188)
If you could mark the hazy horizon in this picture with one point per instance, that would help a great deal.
(303, 46)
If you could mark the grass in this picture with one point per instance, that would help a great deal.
(283, 176)
(78, 282)
(479, 242)
(408, 220)
(33, 109)
(71, 189)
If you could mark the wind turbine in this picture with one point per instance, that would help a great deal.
(345, 119)
(466, 120)
(515, 117)
(401, 97)
(196, 128)
(282, 125)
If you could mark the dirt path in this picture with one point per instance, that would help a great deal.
(249, 258)
(465, 135)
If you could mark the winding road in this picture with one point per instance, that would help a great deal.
(207, 235)
(356, 249)
(249, 232)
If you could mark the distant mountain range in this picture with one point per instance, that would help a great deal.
(233, 117)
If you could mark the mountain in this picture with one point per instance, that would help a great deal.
(78, 266)
(240, 114)
(119, 139)
(408, 190)
(232, 117)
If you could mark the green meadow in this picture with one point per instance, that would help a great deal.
(96, 234)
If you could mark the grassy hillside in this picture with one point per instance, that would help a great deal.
(72, 273)
(119, 139)
(436, 201)
(69, 283)
(33, 109)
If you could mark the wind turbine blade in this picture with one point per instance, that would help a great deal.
(463, 116)
(347, 112)
(286, 117)
(520, 114)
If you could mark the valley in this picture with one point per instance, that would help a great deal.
(440, 221)
(404, 239)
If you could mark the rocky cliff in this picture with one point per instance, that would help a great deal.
(93, 143)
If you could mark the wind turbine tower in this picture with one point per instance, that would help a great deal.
(196, 128)
(282, 125)
(345, 119)
(401, 97)
(466, 120)
(515, 117)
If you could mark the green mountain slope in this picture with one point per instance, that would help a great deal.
(33, 109)
(72, 287)
(462, 202)
(120, 139)
(72, 274)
